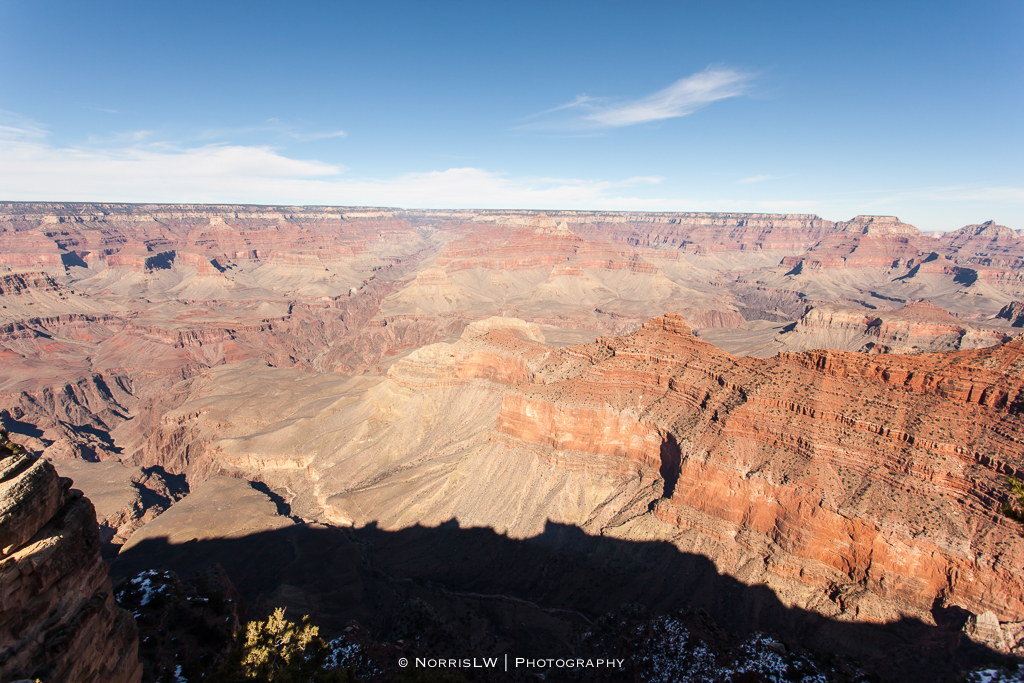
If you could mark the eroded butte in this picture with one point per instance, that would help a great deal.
(826, 409)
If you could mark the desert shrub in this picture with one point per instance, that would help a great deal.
(5, 442)
(279, 651)
(1014, 508)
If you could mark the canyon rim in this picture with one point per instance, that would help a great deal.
(514, 423)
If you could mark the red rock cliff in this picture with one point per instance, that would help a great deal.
(872, 480)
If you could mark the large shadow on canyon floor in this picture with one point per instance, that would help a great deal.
(532, 597)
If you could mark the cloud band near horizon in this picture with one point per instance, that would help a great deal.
(31, 169)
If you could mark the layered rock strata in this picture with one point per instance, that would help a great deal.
(864, 486)
(58, 618)
(1014, 312)
(919, 327)
(104, 307)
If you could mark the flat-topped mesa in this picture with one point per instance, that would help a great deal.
(73, 225)
(878, 226)
(703, 232)
(142, 238)
(877, 476)
(58, 618)
(985, 244)
(521, 244)
(987, 233)
(864, 242)
(690, 219)
(924, 311)
(71, 213)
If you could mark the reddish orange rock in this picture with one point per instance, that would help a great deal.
(834, 468)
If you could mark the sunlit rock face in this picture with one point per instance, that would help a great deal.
(918, 327)
(59, 619)
(872, 477)
(859, 486)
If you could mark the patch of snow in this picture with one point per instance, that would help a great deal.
(995, 676)
(344, 654)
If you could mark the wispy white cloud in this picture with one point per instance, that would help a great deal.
(321, 135)
(128, 137)
(103, 109)
(138, 166)
(643, 180)
(755, 179)
(683, 97)
(580, 101)
(16, 127)
(31, 169)
(479, 188)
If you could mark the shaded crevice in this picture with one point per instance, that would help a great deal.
(177, 484)
(671, 460)
(283, 508)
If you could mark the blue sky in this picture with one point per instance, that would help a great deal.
(913, 109)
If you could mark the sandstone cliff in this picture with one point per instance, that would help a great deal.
(864, 486)
(1014, 312)
(919, 327)
(59, 620)
(986, 244)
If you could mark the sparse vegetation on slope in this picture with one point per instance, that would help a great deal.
(281, 651)
(1014, 508)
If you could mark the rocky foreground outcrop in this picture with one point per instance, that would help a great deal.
(58, 618)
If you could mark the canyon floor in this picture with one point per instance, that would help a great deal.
(515, 422)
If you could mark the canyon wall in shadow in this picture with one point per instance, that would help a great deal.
(535, 597)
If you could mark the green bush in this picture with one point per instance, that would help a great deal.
(1014, 509)
(279, 651)
(5, 442)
